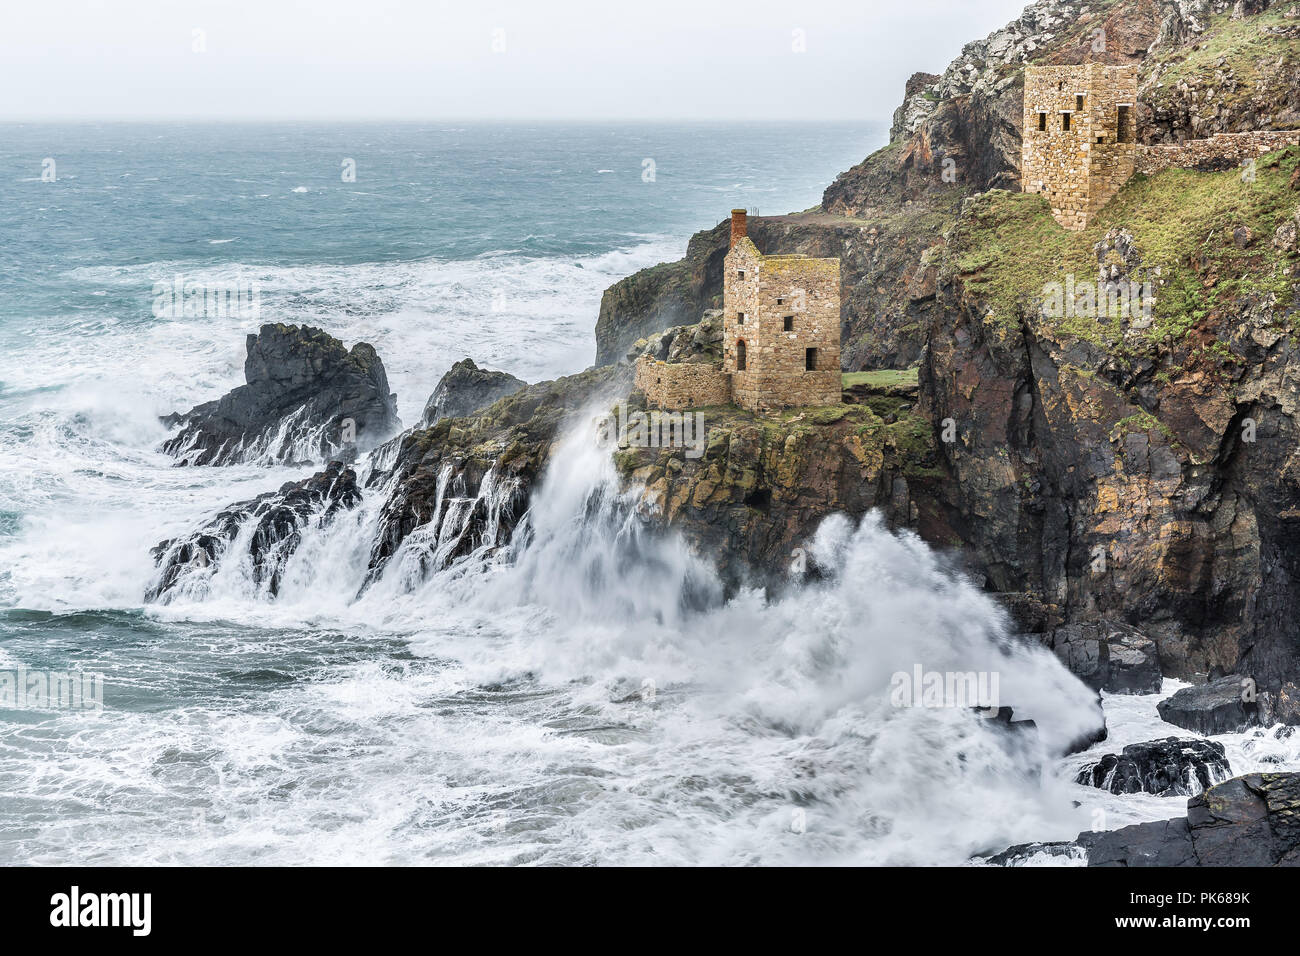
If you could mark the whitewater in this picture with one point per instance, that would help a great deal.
(583, 692)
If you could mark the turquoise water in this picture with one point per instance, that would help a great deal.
(207, 196)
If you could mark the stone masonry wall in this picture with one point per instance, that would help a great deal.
(1220, 150)
(1112, 150)
(806, 294)
(1080, 168)
(675, 386)
(760, 392)
(740, 312)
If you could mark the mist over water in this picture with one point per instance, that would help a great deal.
(581, 692)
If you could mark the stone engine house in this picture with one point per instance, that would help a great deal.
(1079, 143)
(780, 336)
(1080, 147)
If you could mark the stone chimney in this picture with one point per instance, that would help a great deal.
(738, 225)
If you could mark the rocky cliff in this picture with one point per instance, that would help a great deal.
(465, 389)
(762, 483)
(1112, 468)
(454, 488)
(305, 398)
(1136, 466)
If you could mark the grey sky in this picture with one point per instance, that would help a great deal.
(554, 59)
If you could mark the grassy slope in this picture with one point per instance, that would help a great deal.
(1011, 248)
(1244, 46)
(1164, 213)
(881, 378)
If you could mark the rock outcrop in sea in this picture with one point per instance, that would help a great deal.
(1169, 767)
(306, 398)
(278, 518)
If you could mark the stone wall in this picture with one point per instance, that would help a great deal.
(780, 307)
(1079, 139)
(1052, 159)
(674, 385)
(762, 392)
(1112, 141)
(1221, 150)
(804, 294)
(740, 315)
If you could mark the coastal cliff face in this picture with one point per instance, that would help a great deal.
(761, 483)
(465, 482)
(1133, 467)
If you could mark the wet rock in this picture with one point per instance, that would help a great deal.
(466, 389)
(1109, 656)
(1218, 707)
(1097, 734)
(759, 486)
(306, 398)
(279, 519)
(1231, 826)
(1170, 767)
(1253, 820)
(463, 484)
(1281, 705)
(1031, 614)
(457, 488)
(1161, 843)
(1028, 854)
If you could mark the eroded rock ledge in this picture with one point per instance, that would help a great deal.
(466, 389)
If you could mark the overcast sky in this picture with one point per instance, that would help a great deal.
(476, 59)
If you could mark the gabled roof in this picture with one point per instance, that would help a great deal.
(747, 245)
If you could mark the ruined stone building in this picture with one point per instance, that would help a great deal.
(781, 336)
(1079, 144)
(1080, 136)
